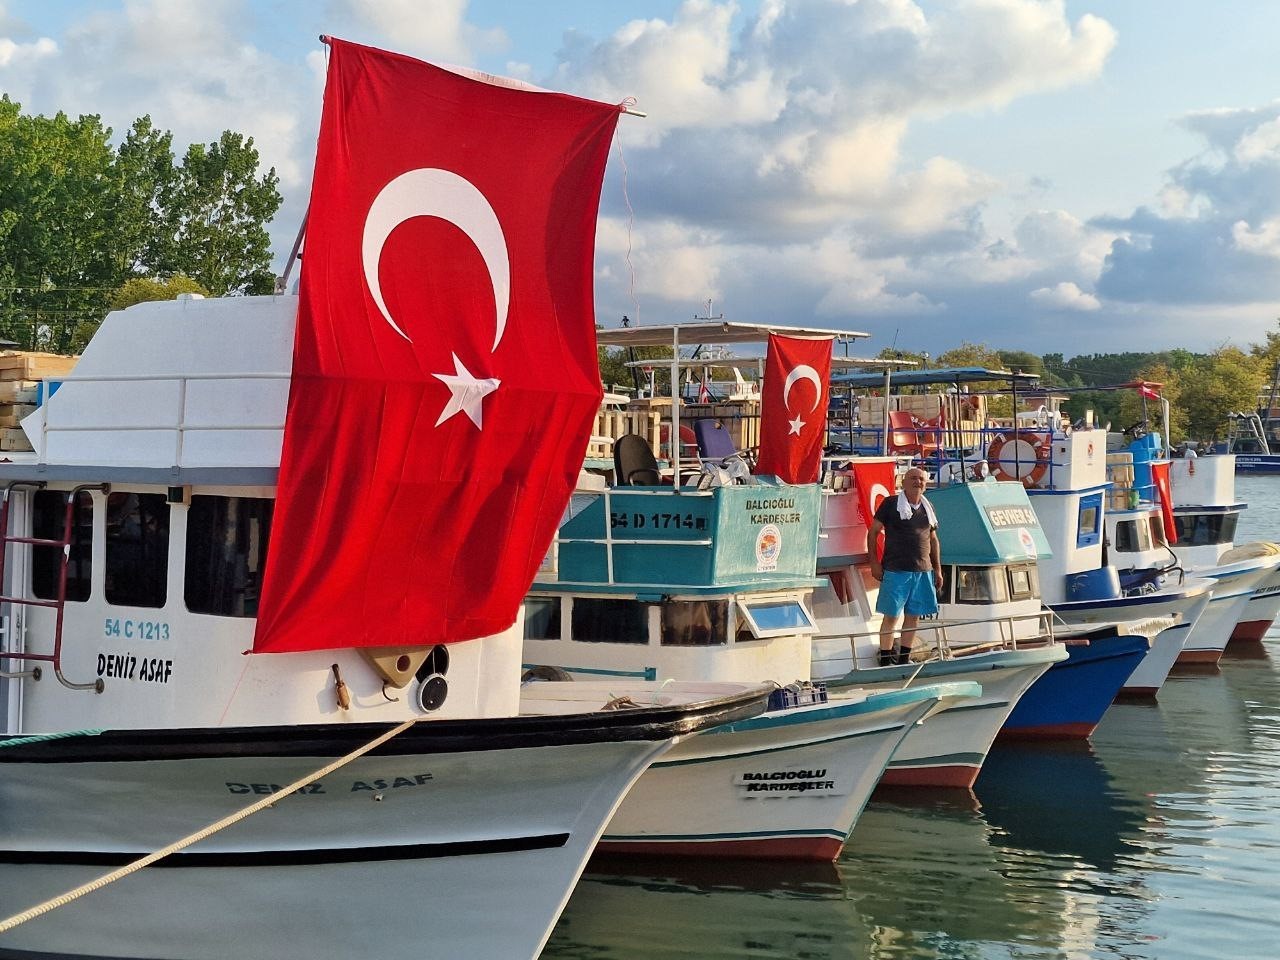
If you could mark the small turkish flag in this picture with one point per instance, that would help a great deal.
(444, 370)
(793, 408)
(875, 481)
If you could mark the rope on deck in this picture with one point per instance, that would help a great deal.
(43, 737)
(65, 898)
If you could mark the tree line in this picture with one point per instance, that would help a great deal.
(87, 226)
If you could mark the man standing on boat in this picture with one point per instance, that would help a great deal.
(910, 572)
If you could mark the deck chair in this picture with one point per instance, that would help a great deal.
(909, 436)
(633, 462)
(721, 462)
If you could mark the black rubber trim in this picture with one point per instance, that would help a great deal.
(323, 740)
(293, 858)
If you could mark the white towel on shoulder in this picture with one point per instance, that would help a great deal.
(905, 509)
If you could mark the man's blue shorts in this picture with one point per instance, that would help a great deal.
(909, 590)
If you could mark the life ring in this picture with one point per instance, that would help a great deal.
(1026, 460)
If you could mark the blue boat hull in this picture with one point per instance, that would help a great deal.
(1258, 463)
(1067, 702)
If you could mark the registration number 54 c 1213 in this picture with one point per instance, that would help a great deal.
(129, 629)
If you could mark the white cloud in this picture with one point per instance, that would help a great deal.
(1066, 296)
(437, 31)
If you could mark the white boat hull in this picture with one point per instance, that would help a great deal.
(1232, 591)
(786, 785)
(1167, 646)
(470, 853)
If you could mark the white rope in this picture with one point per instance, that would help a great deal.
(100, 882)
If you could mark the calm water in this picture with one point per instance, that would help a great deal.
(1160, 839)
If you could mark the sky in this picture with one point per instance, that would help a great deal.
(1057, 176)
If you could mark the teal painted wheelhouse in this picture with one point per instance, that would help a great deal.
(987, 523)
(758, 536)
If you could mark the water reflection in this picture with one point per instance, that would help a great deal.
(1160, 841)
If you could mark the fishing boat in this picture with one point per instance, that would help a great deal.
(710, 581)
(221, 654)
(1251, 444)
(1004, 642)
(1206, 512)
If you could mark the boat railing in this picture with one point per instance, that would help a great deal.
(1013, 632)
(180, 424)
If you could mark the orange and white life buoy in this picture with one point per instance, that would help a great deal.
(1020, 457)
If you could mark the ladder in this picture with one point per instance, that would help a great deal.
(58, 604)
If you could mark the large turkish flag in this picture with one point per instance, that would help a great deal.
(793, 408)
(444, 368)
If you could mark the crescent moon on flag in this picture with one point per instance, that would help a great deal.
(431, 192)
(802, 372)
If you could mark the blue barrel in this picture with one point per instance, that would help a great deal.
(1101, 584)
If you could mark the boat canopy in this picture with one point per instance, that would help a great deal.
(936, 375)
(711, 331)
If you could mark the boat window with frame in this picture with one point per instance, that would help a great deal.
(694, 623)
(948, 583)
(606, 620)
(982, 584)
(1023, 581)
(137, 555)
(1157, 531)
(48, 519)
(1205, 529)
(835, 596)
(226, 554)
(773, 618)
(1089, 520)
(1133, 536)
(542, 618)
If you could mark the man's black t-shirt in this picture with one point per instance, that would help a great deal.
(906, 542)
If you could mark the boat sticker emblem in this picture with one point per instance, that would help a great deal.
(1028, 541)
(768, 547)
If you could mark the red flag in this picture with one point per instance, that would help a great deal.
(444, 368)
(875, 481)
(1160, 477)
(1147, 391)
(793, 408)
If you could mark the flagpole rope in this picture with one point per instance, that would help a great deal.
(118, 874)
(631, 222)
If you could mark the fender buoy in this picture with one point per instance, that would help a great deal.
(1020, 457)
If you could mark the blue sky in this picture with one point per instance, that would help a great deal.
(1048, 175)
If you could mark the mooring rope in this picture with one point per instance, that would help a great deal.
(44, 737)
(136, 865)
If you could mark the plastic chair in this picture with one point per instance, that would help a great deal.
(633, 462)
(907, 435)
(714, 441)
(903, 438)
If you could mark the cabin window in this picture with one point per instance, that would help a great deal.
(137, 549)
(1205, 529)
(838, 594)
(775, 618)
(1133, 535)
(1024, 583)
(982, 585)
(695, 623)
(1089, 521)
(48, 519)
(1157, 531)
(226, 554)
(948, 580)
(610, 621)
(542, 618)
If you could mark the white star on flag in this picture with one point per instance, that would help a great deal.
(468, 393)
(796, 424)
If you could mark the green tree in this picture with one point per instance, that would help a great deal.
(217, 215)
(78, 218)
(1208, 387)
